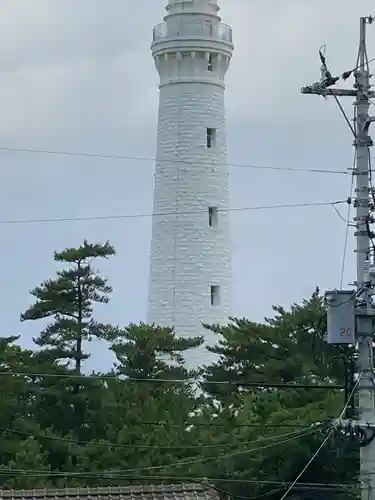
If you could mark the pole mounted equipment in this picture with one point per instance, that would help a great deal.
(350, 313)
(340, 306)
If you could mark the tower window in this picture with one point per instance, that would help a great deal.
(213, 216)
(211, 137)
(215, 295)
(210, 64)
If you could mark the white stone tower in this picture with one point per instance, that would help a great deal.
(190, 265)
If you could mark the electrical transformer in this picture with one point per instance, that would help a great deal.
(341, 316)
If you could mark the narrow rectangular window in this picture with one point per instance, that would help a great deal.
(215, 295)
(213, 216)
(211, 137)
(210, 63)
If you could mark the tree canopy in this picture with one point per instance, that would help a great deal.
(150, 419)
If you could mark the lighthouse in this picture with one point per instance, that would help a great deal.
(190, 261)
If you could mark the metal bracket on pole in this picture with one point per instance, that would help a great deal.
(362, 432)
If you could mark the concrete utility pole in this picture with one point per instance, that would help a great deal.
(350, 314)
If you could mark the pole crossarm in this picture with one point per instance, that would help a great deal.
(333, 92)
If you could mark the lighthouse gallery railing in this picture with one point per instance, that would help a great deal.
(194, 29)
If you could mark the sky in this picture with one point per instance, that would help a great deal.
(79, 77)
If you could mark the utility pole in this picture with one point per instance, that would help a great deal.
(350, 313)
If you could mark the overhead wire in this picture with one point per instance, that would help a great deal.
(306, 466)
(170, 160)
(148, 215)
(300, 486)
(105, 444)
(313, 485)
(191, 461)
(219, 425)
(194, 423)
(358, 66)
(339, 213)
(329, 81)
(344, 114)
(256, 497)
(206, 481)
(164, 214)
(346, 239)
(242, 383)
(328, 436)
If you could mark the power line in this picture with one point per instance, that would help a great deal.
(291, 435)
(190, 461)
(300, 486)
(239, 383)
(346, 240)
(214, 424)
(185, 424)
(104, 444)
(166, 214)
(307, 465)
(351, 128)
(203, 480)
(339, 213)
(169, 160)
(313, 457)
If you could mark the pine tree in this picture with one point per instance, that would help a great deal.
(16, 393)
(288, 348)
(69, 299)
(145, 351)
(152, 357)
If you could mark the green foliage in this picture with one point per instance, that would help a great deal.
(152, 352)
(29, 457)
(69, 300)
(288, 348)
(143, 420)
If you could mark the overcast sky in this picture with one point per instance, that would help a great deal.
(79, 76)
